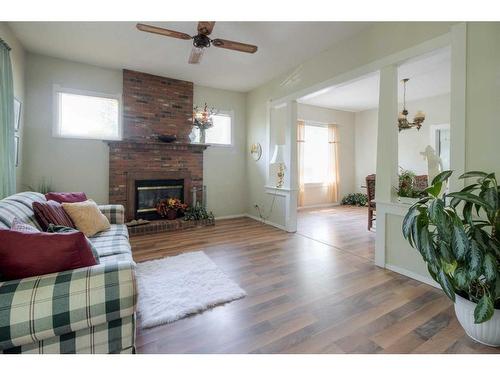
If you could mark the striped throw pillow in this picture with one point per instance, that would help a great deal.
(51, 212)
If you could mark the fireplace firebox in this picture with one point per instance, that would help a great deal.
(149, 192)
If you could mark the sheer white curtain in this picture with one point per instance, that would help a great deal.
(301, 131)
(333, 164)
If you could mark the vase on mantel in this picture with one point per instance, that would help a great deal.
(202, 135)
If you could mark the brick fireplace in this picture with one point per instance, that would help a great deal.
(152, 106)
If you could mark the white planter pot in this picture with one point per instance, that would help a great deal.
(487, 333)
(406, 200)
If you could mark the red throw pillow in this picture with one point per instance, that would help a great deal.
(32, 254)
(51, 212)
(66, 197)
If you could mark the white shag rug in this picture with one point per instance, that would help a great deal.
(173, 287)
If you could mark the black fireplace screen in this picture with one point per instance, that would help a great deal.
(149, 192)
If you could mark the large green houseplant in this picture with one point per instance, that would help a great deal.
(458, 236)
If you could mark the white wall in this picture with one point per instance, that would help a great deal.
(70, 164)
(365, 146)
(410, 144)
(82, 165)
(315, 195)
(17, 59)
(224, 168)
(374, 43)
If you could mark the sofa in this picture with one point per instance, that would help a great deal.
(85, 310)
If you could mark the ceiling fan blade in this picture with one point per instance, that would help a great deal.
(206, 27)
(236, 46)
(196, 55)
(162, 31)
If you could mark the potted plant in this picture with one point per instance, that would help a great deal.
(407, 192)
(458, 236)
(170, 208)
(355, 199)
(199, 213)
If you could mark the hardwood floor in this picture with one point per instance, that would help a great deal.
(304, 296)
(343, 227)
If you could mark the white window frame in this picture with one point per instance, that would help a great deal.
(56, 129)
(230, 114)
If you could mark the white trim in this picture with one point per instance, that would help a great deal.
(226, 217)
(321, 205)
(412, 275)
(56, 132)
(267, 222)
(458, 99)
(395, 58)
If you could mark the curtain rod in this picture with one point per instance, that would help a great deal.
(3, 42)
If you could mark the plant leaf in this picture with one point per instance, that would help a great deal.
(443, 176)
(434, 189)
(467, 212)
(426, 245)
(484, 310)
(461, 278)
(459, 241)
(408, 222)
(433, 272)
(475, 260)
(446, 284)
(445, 252)
(490, 267)
(491, 197)
(436, 211)
(468, 197)
(473, 174)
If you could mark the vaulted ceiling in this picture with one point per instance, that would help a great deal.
(118, 45)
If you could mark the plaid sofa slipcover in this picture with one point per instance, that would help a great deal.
(87, 310)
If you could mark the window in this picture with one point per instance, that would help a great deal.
(80, 114)
(316, 154)
(221, 132)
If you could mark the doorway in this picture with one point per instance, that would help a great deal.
(337, 150)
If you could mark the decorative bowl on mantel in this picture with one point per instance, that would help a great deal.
(167, 138)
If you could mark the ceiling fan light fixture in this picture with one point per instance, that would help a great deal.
(196, 54)
(201, 41)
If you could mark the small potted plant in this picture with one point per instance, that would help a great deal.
(170, 208)
(407, 192)
(458, 236)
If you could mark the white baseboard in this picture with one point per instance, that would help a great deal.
(423, 279)
(237, 216)
(323, 205)
(266, 222)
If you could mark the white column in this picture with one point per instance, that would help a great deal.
(291, 163)
(457, 103)
(387, 152)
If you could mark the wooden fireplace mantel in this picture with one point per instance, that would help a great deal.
(178, 146)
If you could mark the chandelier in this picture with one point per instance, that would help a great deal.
(403, 122)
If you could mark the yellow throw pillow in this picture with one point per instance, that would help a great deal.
(87, 217)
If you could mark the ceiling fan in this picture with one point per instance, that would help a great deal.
(201, 41)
